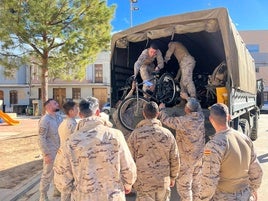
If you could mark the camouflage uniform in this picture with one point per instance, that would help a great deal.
(187, 64)
(119, 125)
(49, 142)
(95, 163)
(155, 152)
(190, 137)
(66, 128)
(230, 168)
(145, 65)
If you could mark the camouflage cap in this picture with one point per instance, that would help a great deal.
(192, 104)
(219, 109)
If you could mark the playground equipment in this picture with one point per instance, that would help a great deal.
(8, 119)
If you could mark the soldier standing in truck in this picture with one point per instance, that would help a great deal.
(145, 65)
(187, 64)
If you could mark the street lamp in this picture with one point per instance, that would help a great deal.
(132, 8)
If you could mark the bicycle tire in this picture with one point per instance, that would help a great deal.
(166, 89)
(129, 114)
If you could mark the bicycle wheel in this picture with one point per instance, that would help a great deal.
(166, 89)
(130, 112)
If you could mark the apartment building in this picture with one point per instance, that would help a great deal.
(257, 44)
(24, 89)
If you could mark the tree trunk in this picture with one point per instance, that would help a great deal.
(44, 83)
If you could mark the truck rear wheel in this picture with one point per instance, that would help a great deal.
(254, 131)
(244, 126)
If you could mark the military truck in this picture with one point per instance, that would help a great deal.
(224, 70)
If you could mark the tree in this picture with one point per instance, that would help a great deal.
(58, 36)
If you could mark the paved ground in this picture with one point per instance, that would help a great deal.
(261, 146)
(28, 191)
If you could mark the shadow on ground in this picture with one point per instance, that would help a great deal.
(12, 177)
(263, 158)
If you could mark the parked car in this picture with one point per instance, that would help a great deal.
(264, 108)
(106, 108)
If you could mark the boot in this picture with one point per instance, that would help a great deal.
(56, 192)
(43, 197)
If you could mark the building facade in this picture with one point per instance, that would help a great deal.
(14, 91)
(22, 93)
(257, 44)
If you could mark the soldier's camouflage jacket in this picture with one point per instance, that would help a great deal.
(95, 164)
(66, 128)
(190, 133)
(230, 167)
(155, 152)
(148, 62)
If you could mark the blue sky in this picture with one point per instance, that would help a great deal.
(246, 14)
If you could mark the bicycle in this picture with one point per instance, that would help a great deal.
(130, 109)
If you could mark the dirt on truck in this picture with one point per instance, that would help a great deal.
(224, 70)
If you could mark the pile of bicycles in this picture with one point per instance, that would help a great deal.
(130, 109)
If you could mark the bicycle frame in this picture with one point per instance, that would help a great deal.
(164, 91)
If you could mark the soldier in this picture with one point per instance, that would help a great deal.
(66, 128)
(155, 152)
(145, 65)
(49, 142)
(68, 125)
(187, 64)
(95, 163)
(230, 168)
(190, 137)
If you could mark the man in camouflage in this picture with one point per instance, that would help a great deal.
(49, 143)
(230, 168)
(187, 64)
(145, 64)
(95, 163)
(190, 137)
(155, 152)
(66, 129)
(68, 125)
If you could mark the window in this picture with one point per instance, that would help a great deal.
(39, 94)
(265, 94)
(98, 73)
(1, 95)
(257, 69)
(76, 93)
(253, 48)
(13, 97)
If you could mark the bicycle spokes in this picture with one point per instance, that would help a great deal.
(166, 89)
